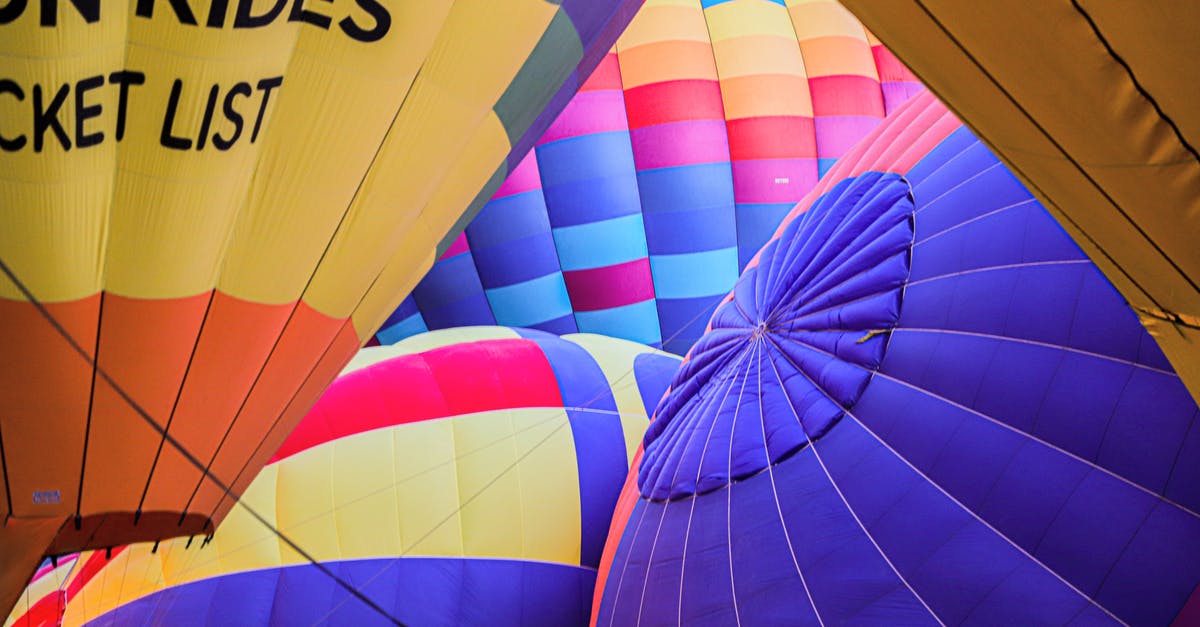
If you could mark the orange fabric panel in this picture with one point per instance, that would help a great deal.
(345, 345)
(59, 386)
(21, 545)
(294, 357)
(625, 502)
(145, 345)
(236, 341)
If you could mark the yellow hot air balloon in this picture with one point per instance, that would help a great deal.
(205, 206)
(1093, 104)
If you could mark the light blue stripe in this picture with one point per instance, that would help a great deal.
(407, 327)
(532, 302)
(599, 244)
(637, 322)
(693, 275)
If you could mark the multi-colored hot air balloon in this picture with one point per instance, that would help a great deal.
(921, 404)
(673, 165)
(463, 477)
(1095, 109)
(208, 206)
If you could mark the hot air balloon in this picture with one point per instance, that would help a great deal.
(921, 404)
(1095, 111)
(44, 599)
(208, 206)
(665, 174)
(461, 477)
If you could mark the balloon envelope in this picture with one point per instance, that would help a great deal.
(665, 174)
(462, 477)
(1095, 110)
(922, 403)
(216, 203)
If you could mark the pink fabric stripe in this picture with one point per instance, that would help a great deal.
(773, 180)
(618, 285)
(524, 178)
(459, 247)
(681, 143)
(836, 135)
(588, 113)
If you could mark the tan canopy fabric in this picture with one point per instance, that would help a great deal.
(1094, 104)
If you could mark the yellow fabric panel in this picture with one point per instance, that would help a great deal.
(426, 488)
(744, 18)
(172, 209)
(549, 483)
(55, 202)
(343, 96)
(823, 18)
(305, 492)
(411, 261)
(354, 262)
(1114, 174)
(759, 56)
(664, 20)
(450, 102)
(615, 358)
(243, 542)
(364, 500)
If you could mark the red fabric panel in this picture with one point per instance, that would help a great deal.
(606, 76)
(846, 95)
(775, 137)
(429, 385)
(674, 101)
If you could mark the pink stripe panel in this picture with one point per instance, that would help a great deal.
(838, 134)
(588, 113)
(845, 95)
(607, 287)
(524, 178)
(448, 381)
(773, 180)
(459, 247)
(682, 143)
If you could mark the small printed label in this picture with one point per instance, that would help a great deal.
(781, 181)
(46, 497)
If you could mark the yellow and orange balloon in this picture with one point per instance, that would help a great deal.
(205, 206)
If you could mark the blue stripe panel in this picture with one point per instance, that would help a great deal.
(697, 274)
(397, 331)
(700, 191)
(637, 322)
(414, 590)
(604, 243)
(452, 296)
(683, 320)
(756, 223)
(653, 373)
(824, 166)
(599, 438)
(532, 302)
(511, 240)
(712, 3)
(589, 178)
(405, 321)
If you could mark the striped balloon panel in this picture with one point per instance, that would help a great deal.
(921, 404)
(480, 456)
(677, 159)
(219, 290)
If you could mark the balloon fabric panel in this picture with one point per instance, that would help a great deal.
(666, 173)
(925, 405)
